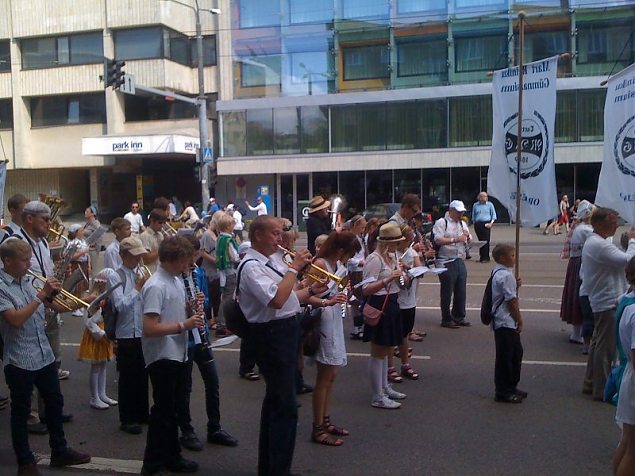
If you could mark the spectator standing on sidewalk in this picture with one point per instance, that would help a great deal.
(483, 217)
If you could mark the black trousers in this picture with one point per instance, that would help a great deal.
(276, 345)
(209, 375)
(133, 382)
(21, 384)
(483, 234)
(509, 357)
(247, 356)
(168, 384)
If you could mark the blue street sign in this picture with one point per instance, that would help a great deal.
(208, 155)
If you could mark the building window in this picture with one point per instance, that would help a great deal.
(422, 58)
(314, 123)
(5, 56)
(311, 11)
(234, 134)
(140, 43)
(365, 9)
(257, 13)
(286, 130)
(480, 4)
(602, 43)
(544, 44)
(180, 47)
(209, 51)
(566, 130)
(6, 114)
(62, 110)
(260, 71)
(483, 53)
(344, 128)
(366, 62)
(470, 121)
(591, 115)
(260, 132)
(62, 50)
(154, 108)
(413, 6)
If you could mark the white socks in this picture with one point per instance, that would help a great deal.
(375, 371)
(99, 399)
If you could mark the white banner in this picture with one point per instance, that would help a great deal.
(538, 199)
(616, 187)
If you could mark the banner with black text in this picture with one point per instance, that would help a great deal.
(538, 199)
(616, 187)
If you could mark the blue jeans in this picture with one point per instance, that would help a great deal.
(212, 401)
(21, 384)
(453, 283)
(275, 346)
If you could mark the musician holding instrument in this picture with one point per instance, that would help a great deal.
(29, 359)
(121, 229)
(79, 259)
(200, 352)
(164, 343)
(357, 225)
(90, 227)
(331, 354)
(133, 376)
(318, 222)
(153, 236)
(271, 306)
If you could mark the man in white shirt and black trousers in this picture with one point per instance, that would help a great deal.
(270, 304)
(452, 235)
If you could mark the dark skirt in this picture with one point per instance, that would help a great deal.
(570, 310)
(389, 331)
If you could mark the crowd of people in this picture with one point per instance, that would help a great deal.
(162, 294)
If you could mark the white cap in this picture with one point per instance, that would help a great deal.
(74, 228)
(458, 205)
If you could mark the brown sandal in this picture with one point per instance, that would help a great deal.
(321, 436)
(393, 375)
(332, 429)
(408, 372)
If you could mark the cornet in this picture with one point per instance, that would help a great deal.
(316, 271)
(142, 271)
(63, 298)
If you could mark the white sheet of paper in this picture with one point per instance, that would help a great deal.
(370, 279)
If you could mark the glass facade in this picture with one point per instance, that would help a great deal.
(154, 108)
(305, 47)
(67, 110)
(62, 50)
(6, 114)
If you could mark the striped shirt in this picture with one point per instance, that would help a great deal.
(26, 347)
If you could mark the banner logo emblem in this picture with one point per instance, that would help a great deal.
(534, 147)
(624, 147)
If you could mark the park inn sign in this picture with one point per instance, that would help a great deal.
(140, 144)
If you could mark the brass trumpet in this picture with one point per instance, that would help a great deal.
(142, 271)
(62, 296)
(316, 271)
(168, 230)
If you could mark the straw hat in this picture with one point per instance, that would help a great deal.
(390, 232)
(318, 203)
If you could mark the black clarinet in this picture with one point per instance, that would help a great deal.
(204, 349)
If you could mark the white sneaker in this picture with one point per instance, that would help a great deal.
(63, 374)
(393, 394)
(386, 403)
(98, 404)
(109, 401)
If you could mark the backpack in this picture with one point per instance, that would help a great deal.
(436, 245)
(487, 309)
(235, 319)
(110, 313)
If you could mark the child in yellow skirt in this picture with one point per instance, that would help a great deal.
(96, 349)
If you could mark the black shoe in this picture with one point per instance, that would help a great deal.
(521, 393)
(70, 457)
(463, 323)
(145, 471)
(251, 376)
(513, 398)
(357, 336)
(450, 325)
(305, 388)
(132, 428)
(221, 437)
(37, 428)
(191, 442)
(183, 466)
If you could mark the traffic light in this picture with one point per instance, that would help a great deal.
(114, 73)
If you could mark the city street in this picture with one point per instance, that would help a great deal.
(448, 425)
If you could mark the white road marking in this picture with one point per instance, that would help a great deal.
(103, 464)
(482, 285)
(545, 311)
(554, 363)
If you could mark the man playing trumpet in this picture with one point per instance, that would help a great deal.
(29, 359)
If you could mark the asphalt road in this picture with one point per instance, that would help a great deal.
(448, 425)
